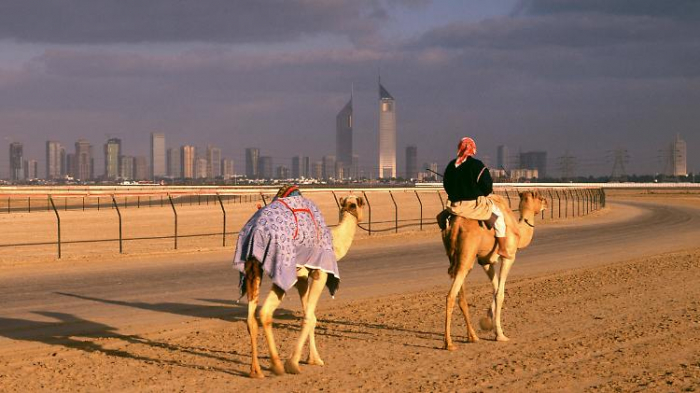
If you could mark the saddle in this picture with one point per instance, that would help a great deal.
(443, 220)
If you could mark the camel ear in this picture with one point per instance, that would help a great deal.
(342, 201)
(360, 201)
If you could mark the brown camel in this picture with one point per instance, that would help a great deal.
(465, 241)
(310, 284)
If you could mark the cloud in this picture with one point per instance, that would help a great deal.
(676, 9)
(223, 21)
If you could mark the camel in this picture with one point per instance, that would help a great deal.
(465, 241)
(310, 284)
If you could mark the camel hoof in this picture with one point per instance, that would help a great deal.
(292, 367)
(315, 362)
(449, 347)
(277, 368)
(502, 338)
(256, 374)
(473, 339)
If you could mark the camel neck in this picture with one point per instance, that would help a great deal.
(526, 225)
(344, 234)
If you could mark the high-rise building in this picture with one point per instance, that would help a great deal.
(535, 160)
(265, 167)
(174, 163)
(158, 168)
(16, 161)
(305, 167)
(343, 138)
(187, 157)
(316, 170)
(113, 153)
(502, 157)
(252, 158)
(55, 160)
(355, 167)
(282, 172)
(296, 167)
(70, 165)
(83, 161)
(141, 170)
(328, 169)
(678, 157)
(227, 169)
(213, 162)
(411, 162)
(200, 168)
(126, 168)
(31, 169)
(387, 134)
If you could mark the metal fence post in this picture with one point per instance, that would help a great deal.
(119, 214)
(263, 198)
(8, 204)
(58, 222)
(566, 204)
(224, 211)
(369, 207)
(29, 204)
(551, 203)
(98, 203)
(396, 213)
(175, 213)
(336, 199)
(421, 210)
(558, 201)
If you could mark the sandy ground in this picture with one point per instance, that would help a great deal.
(631, 325)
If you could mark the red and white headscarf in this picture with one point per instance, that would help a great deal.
(467, 148)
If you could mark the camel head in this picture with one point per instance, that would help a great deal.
(532, 201)
(353, 205)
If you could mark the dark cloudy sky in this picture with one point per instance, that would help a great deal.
(578, 76)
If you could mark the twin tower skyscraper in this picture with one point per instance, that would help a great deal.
(387, 137)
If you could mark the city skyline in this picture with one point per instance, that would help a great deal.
(570, 78)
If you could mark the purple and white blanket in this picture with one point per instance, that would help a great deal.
(287, 233)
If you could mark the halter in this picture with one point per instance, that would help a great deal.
(528, 223)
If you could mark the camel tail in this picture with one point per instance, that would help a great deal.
(452, 244)
(253, 277)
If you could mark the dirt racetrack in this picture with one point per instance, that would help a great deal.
(607, 303)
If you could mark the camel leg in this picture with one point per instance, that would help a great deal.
(505, 268)
(252, 283)
(464, 267)
(315, 289)
(303, 287)
(271, 303)
(490, 270)
(464, 306)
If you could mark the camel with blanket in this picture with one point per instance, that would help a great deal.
(289, 241)
(467, 240)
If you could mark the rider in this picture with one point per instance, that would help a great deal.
(468, 183)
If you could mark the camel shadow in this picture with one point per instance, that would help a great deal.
(72, 332)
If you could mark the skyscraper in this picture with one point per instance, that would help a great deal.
(411, 162)
(227, 170)
(113, 152)
(305, 167)
(16, 161)
(126, 167)
(141, 171)
(502, 157)
(296, 167)
(213, 162)
(678, 157)
(31, 168)
(83, 161)
(265, 170)
(55, 160)
(387, 134)
(200, 168)
(187, 157)
(535, 160)
(158, 168)
(252, 156)
(174, 163)
(343, 137)
(328, 169)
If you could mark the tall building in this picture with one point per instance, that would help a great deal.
(265, 167)
(213, 162)
(387, 134)
(187, 159)
(158, 169)
(502, 157)
(83, 161)
(141, 170)
(31, 169)
(227, 169)
(282, 172)
(55, 160)
(296, 167)
(316, 170)
(535, 160)
(678, 157)
(301, 167)
(174, 163)
(16, 161)
(328, 168)
(113, 153)
(343, 138)
(200, 168)
(126, 168)
(252, 156)
(70, 165)
(411, 162)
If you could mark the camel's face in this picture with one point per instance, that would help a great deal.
(533, 201)
(353, 205)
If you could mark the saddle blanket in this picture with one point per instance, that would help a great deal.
(287, 233)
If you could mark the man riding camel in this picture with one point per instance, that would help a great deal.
(468, 183)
